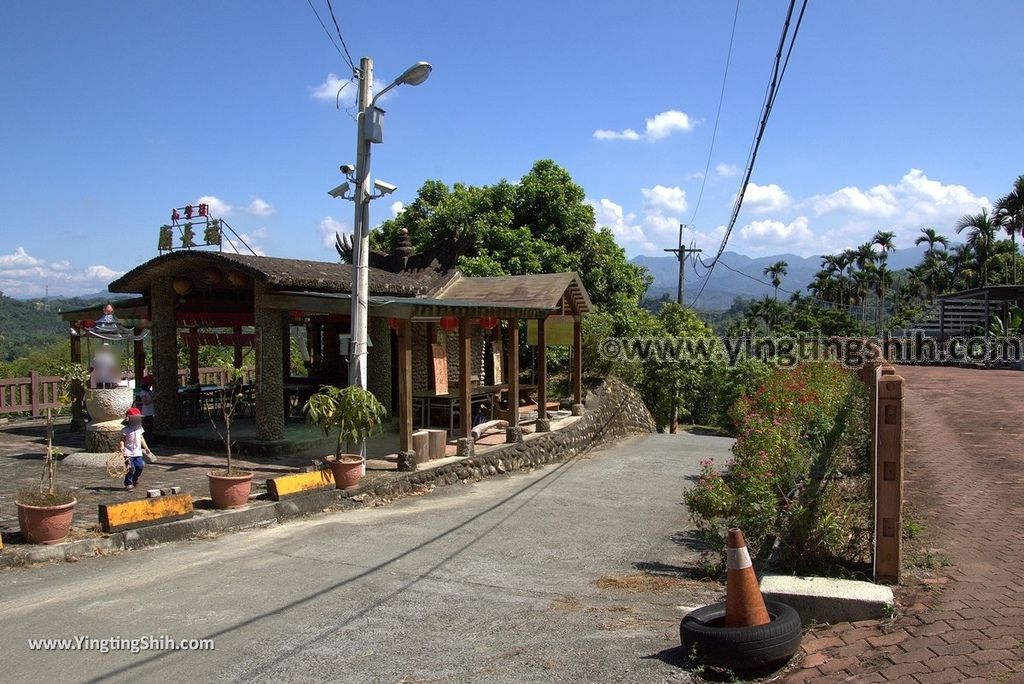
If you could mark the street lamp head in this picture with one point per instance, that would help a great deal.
(416, 74)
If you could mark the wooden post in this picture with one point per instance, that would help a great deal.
(237, 361)
(888, 479)
(513, 372)
(542, 370)
(77, 389)
(33, 392)
(404, 384)
(139, 358)
(577, 360)
(465, 375)
(193, 358)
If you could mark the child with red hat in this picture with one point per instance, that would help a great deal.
(133, 445)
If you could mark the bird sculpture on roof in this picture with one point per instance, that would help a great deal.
(441, 257)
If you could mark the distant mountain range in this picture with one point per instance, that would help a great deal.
(726, 284)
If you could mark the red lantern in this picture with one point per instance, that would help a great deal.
(393, 324)
(488, 322)
(449, 323)
(87, 324)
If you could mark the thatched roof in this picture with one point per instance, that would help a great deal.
(314, 276)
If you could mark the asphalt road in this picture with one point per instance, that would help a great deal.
(574, 572)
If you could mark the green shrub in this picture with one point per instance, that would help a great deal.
(797, 473)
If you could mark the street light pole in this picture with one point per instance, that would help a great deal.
(361, 232)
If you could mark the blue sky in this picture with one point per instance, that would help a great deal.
(892, 115)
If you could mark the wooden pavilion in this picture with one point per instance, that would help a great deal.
(429, 329)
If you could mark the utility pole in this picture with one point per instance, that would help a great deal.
(681, 252)
(361, 231)
(361, 239)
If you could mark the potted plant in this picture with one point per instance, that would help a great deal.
(356, 414)
(230, 487)
(45, 511)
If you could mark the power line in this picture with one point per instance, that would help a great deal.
(778, 72)
(348, 57)
(718, 114)
(324, 27)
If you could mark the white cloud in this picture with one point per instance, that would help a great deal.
(328, 228)
(627, 134)
(608, 214)
(776, 233)
(727, 170)
(763, 199)
(656, 127)
(661, 197)
(397, 208)
(24, 275)
(19, 259)
(259, 207)
(218, 207)
(665, 124)
(343, 91)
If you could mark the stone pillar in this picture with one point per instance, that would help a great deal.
(378, 369)
(164, 334)
(269, 379)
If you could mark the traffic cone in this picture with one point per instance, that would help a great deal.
(744, 605)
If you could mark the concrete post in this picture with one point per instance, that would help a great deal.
(888, 479)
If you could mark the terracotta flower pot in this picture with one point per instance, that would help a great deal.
(229, 491)
(45, 524)
(346, 471)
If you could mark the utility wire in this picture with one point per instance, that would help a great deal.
(778, 72)
(326, 30)
(348, 57)
(718, 115)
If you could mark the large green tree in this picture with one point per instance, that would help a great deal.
(541, 224)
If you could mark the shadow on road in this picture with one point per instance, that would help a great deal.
(528, 493)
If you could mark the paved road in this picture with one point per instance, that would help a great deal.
(965, 485)
(531, 577)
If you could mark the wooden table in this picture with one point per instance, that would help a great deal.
(425, 404)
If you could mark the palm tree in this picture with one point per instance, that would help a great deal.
(960, 260)
(768, 310)
(864, 255)
(861, 287)
(981, 237)
(776, 271)
(884, 240)
(1010, 211)
(932, 238)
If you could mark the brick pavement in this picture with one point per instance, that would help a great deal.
(961, 608)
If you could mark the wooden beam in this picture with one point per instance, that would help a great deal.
(577, 360)
(542, 370)
(139, 358)
(237, 360)
(465, 396)
(513, 372)
(404, 385)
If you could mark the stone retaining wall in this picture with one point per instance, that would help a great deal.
(613, 410)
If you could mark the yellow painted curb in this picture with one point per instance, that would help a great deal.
(287, 485)
(141, 512)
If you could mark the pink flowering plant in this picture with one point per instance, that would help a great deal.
(799, 436)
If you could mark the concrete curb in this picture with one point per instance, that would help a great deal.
(824, 599)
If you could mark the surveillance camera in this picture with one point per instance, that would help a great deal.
(339, 191)
(347, 169)
(384, 187)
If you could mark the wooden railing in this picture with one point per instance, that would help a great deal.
(31, 395)
(214, 375)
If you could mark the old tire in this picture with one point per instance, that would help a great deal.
(741, 648)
